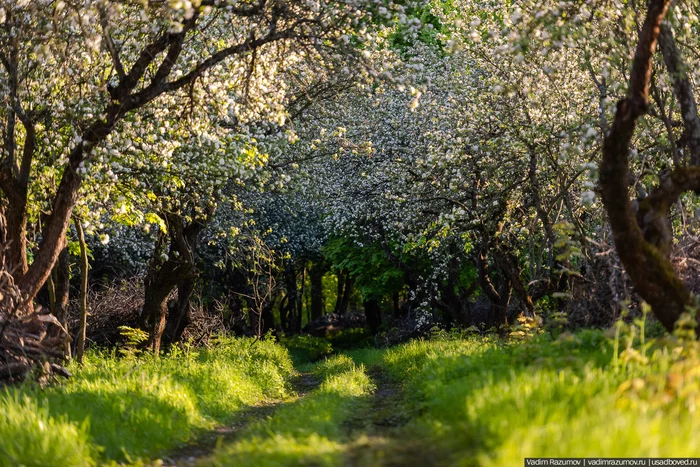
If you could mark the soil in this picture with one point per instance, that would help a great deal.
(205, 444)
(379, 435)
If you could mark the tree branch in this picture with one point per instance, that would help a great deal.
(683, 91)
(113, 52)
(648, 267)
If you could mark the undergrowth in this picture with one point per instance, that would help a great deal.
(138, 406)
(304, 348)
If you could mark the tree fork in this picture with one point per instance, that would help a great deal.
(124, 101)
(648, 266)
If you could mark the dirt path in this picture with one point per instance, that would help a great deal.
(376, 431)
(386, 410)
(376, 434)
(205, 444)
(380, 434)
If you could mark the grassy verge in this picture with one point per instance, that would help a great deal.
(309, 430)
(484, 402)
(125, 409)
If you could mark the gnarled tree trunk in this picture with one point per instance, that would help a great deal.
(499, 299)
(180, 316)
(642, 235)
(170, 267)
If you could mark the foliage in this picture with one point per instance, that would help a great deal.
(133, 339)
(367, 264)
(132, 111)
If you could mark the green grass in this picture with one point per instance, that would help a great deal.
(125, 409)
(484, 402)
(474, 400)
(309, 430)
(30, 436)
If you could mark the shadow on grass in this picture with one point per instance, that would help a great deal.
(303, 432)
(205, 443)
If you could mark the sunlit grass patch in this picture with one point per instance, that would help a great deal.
(139, 407)
(486, 402)
(369, 357)
(130, 415)
(30, 437)
(333, 366)
(308, 431)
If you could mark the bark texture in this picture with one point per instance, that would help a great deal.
(643, 250)
(173, 264)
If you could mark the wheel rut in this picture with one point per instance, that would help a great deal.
(382, 436)
(204, 446)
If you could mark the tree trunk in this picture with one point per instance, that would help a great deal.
(255, 319)
(300, 300)
(61, 284)
(347, 292)
(16, 218)
(508, 264)
(165, 272)
(372, 314)
(284, 314)
(155, 307)
(84, 264)
(341, 289)
(161, 279)
(268, 319)
(180, 316)
(683, 91)
(288, 308)
(499, 300)
(644, 254)
(316, 278)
